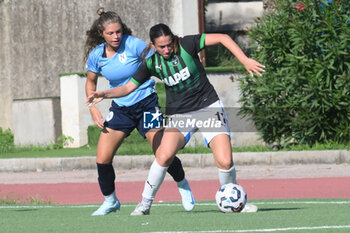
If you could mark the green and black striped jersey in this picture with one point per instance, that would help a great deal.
(187, 85)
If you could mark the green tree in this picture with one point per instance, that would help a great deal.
(304, 95)
(6, 140)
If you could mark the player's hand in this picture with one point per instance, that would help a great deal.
(96, 116)
(95, 97)
(253, 67)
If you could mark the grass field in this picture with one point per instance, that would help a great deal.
(301, 215)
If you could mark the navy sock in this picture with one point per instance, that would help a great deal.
(176, 170)
(106, 177)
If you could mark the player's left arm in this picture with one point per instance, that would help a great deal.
(250, 65)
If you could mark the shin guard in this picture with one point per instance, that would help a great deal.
(106, 177)
(176, 170)
(155, 179)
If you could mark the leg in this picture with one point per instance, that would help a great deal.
(221, 147)
(175, 170)
(109, 142)
(171, 142)
(222, 151)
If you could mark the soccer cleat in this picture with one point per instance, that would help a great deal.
(249, 208)
(141, 209)
(186, 195)
(107, 207)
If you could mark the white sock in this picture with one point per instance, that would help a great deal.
(111, 197)
(155, 179)
(227, 176)
(146, 202)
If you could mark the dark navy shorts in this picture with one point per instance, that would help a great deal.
(126, 119)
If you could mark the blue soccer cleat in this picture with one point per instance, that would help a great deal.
(107, 207)
(186, 195)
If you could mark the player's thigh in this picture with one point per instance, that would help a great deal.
(222, 151)
(172, 141)
(154, 137)
(108, 143)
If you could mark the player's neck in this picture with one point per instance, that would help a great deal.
(110, 51)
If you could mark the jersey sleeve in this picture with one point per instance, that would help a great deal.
(92, 62)
(193, 44)
(139, 44)
(142, 74)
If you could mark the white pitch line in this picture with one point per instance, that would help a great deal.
(173, 204)
(259, 230)
(265, 203)
(302, 202)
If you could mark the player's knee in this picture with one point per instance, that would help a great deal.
(164, 159)
(225, 164)
(104, 159)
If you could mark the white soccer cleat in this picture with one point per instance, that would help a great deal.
(141, 209)
(249, 208)
(107, 207)
(186, 195)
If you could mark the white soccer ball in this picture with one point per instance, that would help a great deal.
(231, 198)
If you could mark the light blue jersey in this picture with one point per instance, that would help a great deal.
(120, 68)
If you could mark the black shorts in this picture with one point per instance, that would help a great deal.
(126, 119)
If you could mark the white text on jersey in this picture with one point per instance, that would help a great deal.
(182, 75)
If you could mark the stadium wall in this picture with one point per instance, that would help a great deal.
(40, 39)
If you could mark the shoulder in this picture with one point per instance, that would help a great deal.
(148, 64)
(192, 38)
(97, 51)
(94, 57)
(132, 40)
(134, 44)
(193, 42)
(149, 61)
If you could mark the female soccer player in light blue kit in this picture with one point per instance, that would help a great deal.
(110, 50)
(188, 93)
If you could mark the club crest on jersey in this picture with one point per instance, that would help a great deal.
(122, 57)
(174, 61)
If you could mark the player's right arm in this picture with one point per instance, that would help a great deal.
(117, 92)
(90, 88)
(141, 76)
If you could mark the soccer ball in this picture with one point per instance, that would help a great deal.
(231, 198)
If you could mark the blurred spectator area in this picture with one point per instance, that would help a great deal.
(232, 17)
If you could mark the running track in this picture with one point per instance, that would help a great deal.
(89, 193)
